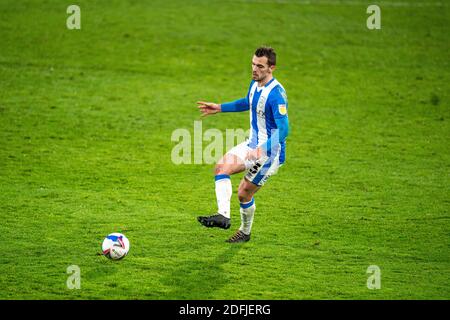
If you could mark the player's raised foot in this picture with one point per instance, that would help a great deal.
(239, 236)
(216, 220)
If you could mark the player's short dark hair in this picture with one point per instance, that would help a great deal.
(269, 53)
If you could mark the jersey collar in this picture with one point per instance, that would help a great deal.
(266, 85)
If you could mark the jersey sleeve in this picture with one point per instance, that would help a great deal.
(235, 106)
(278, 103)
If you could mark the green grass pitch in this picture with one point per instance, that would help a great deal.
(86, 118)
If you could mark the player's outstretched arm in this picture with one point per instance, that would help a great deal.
(207, 108)
(236, 106)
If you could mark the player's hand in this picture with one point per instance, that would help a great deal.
(254, 154)
(207, 108)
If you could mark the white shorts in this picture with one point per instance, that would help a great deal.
(258, 171)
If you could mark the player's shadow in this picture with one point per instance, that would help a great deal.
(199, 279)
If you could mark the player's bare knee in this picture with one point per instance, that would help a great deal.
(244, 198)
(244, 195)
(221, 169)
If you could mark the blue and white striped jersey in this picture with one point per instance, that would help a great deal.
(268, 104)
(268, 116)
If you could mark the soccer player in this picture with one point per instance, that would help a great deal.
(261, 154)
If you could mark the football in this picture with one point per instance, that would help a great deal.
(115, 246)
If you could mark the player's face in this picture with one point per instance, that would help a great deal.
(261, 69)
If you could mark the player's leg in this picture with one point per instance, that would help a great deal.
(227, 166)
(255, 178)
(230, 164)
(246, 192)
